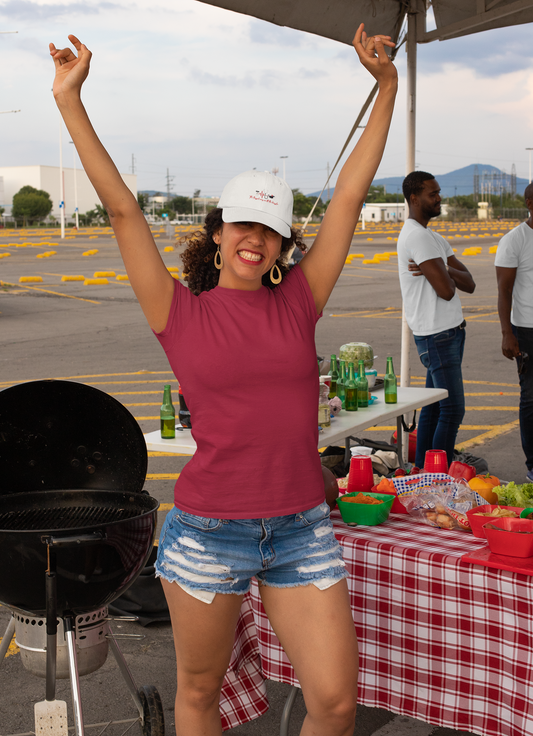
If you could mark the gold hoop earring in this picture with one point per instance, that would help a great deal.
(275, 279)
(218, 259)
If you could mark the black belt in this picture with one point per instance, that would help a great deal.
(462, 325)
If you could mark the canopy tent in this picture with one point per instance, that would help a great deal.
(338, 19)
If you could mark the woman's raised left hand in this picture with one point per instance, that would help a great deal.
(372, 55)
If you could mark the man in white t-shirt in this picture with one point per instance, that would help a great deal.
(514, 271)
(429, 276)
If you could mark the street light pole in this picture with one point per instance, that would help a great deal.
(283, 158)
(529, 178)
(61, 181)
(75, 187)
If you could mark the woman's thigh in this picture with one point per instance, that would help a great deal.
(203, 633)
(316, 630)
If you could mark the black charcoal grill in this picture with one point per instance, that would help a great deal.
(76, 529)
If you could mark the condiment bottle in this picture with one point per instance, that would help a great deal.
(350, 390)
(340, 382)
(324, 412)
(167, 415)
(362, 386)
(184, 413)
(390, 384)
(334, 378)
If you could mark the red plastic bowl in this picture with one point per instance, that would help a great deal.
(477, 522)
(397, 506)
(512, 538)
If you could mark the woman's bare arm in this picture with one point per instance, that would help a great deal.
(151, 282)
(324, 262)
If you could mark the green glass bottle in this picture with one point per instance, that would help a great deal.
(340, 382)
(350, 390)
(334, 378)
(167, 415)
(390, 384)
(362, 386)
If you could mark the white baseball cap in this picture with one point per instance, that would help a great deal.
(258, 196)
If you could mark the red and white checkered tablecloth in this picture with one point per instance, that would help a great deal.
(441, 640)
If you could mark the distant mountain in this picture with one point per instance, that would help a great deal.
(460, 181)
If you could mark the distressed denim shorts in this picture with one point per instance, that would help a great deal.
(222, 555)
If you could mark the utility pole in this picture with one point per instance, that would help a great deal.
(529, 177)
(133, 163)
(327, 178)
(169, 181)
(283, 158)
(61, 181)
(76, 212)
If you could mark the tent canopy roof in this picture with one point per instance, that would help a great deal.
(338, 19)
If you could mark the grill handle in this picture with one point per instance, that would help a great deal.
(75, 540)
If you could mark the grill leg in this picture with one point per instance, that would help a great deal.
(126, 674)
(6, 640)
(74, 676)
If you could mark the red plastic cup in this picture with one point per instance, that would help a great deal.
(436, 461)
(361, 477)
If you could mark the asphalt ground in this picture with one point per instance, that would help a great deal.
(96, 333)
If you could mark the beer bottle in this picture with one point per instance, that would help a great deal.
(324, 412)
(167, 415)
(390, 384)
(334, 378)
(350, 390)
(362, 386)
(340, 382)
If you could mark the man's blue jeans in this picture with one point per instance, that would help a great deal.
(442, 355)
(524, 335)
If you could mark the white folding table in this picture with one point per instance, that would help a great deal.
(343, 426)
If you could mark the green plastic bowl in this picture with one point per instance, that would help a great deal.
(365, 514)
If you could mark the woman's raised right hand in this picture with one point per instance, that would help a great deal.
(71, 70)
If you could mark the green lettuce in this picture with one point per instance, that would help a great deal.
(515, 495)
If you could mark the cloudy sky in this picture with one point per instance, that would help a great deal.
(206, 93)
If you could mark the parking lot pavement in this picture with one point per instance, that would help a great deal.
(96, 333)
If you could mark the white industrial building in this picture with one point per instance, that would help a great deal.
(77, 187)
(383, 212)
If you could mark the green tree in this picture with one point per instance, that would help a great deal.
(30, 204)
(142, 199)
(98, 215)
(303, 205)
(376, 193)
(182, 205)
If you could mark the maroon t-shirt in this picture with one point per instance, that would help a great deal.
(246, 362)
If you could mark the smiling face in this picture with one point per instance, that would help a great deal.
(249, 250)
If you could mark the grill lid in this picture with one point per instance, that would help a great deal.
(56, 435)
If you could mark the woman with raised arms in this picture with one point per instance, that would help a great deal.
(251, 500)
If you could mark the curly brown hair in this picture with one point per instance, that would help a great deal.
(198, 257)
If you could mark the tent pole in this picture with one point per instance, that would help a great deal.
(405, 369)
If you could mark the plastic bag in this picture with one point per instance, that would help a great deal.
(440, 502)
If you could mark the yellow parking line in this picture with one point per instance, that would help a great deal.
(165, 506)
(162, 476)
(168, 454)
(356, 276)
(493, 393)
(491, 434)
(157, 403)
(465, 427)
(55, 293)
(492, 408)
(133, 393)
(12, 649)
